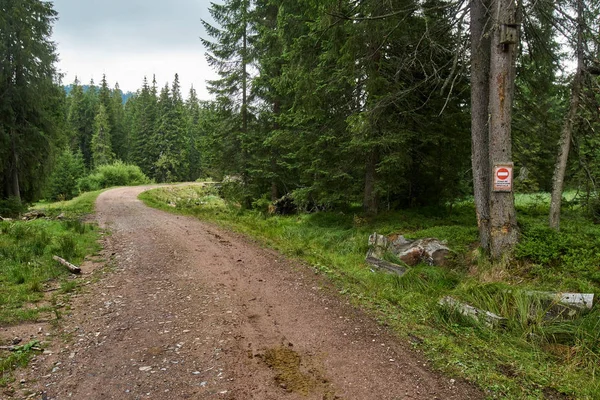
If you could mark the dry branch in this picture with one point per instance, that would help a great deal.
(73, 268)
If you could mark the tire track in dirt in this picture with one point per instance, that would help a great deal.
(195, 312)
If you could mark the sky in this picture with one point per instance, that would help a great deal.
(130, 39)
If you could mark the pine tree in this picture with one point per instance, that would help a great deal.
(119, 135)
(231, 55)
(101, 146)
(171, 164)
(67, 171)
(194, 136)
(144, 150)
(29, 99)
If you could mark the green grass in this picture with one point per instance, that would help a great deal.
(20, 357)
(532, 357)
(27, 269)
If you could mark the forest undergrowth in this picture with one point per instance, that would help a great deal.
(534, 355)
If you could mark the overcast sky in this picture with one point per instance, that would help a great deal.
(130, 39)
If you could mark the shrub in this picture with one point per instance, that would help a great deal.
(11, 207)
(63, 181)
(116, 174)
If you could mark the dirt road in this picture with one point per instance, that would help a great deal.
(194, 312)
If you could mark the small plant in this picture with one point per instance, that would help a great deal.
(116, 174)
(11, 207)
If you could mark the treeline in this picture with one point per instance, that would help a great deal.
(332, 103)
(155, 129)
(341, 102)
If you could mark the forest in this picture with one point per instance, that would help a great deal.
(330, 120)
(331, 104)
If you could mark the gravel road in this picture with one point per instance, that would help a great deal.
(191, 311)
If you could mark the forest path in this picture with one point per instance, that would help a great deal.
(195, 312)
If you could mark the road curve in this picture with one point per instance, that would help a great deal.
(191, 311)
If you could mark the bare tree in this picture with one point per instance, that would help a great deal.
(564, 145)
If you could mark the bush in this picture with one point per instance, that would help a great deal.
(68, 170)
(11, 207)
(116, 174)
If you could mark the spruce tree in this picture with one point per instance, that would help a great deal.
(119, 134)
(101, 146)
(171, 164)
(29, 97)
(230, 54)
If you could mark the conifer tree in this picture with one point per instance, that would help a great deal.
(171, 164)
(143, 150)
(29, 97)
(230, 54)
(119, 135)
(193, 135)
(101, 146)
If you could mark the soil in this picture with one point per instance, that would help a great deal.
(190, 311)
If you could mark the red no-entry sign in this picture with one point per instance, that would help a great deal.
(502, 177)
(503, 173)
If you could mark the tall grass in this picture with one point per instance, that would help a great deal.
(531, 356)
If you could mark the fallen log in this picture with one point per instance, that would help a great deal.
(385, 265)
(73, 268)
(489, 319)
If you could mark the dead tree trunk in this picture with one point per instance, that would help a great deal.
(14, 187)
(480, 87)
(370, 203)
(564, 144)
(503, 222)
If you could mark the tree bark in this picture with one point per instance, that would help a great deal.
(14, 186)
(370, 203)
(71, 267)
(564, 144)
(480, 87)
(503, 222)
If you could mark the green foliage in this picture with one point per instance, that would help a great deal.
(64, 179)
(11, 207)
(116, 174)
(20, 357)
(102, 153)
(26, 264)
(27, 267)
(32, 105)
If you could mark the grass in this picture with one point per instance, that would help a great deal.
(532, 357)
(27, 270)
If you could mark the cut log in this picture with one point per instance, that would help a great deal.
(489, 319)
(385, 265)
(73, 268)
(579, 300)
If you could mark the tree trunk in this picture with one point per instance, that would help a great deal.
(503, 222)
(564, 145)
(274, 152)
(370, 203)
(14, 189)
(480, 88)
(244, 77)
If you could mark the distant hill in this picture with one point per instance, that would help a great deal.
(126, 96)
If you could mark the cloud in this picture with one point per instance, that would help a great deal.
(127, 39)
